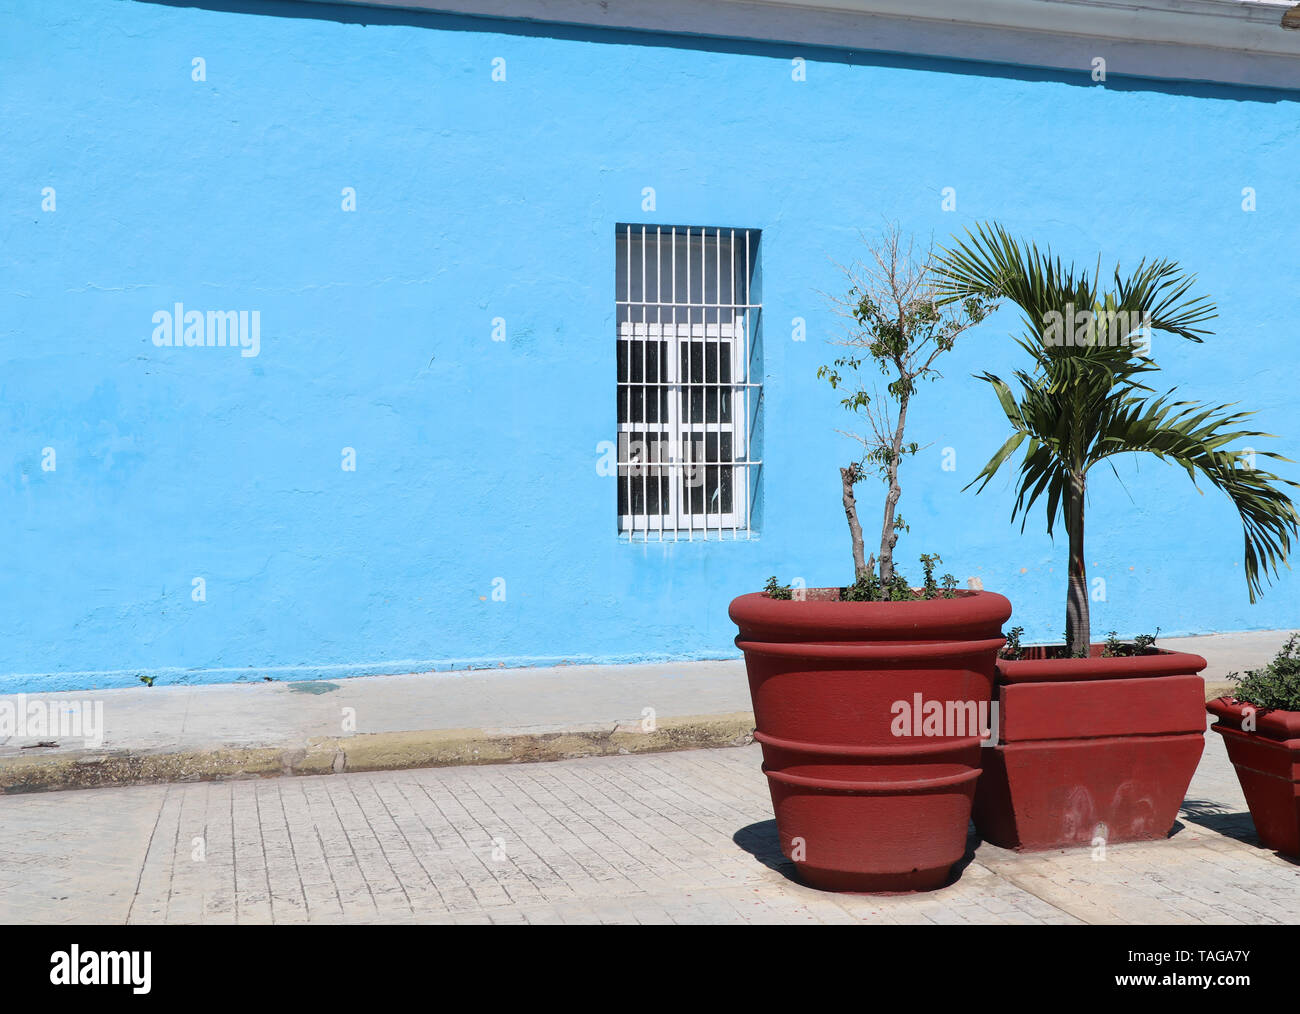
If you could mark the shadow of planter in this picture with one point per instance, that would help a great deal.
(762, 841)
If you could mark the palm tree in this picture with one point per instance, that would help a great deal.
(1083, 402)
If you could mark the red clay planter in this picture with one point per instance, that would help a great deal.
(1091, 747)
(860, 805)
(1267, 760)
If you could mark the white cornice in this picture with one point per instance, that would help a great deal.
(1253, 25)
(1229, 41)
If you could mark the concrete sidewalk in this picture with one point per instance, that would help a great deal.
(371, 723)
(159, 734)
(683, 837)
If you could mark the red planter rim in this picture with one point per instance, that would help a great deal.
(1273, 723)
(967, 614)
(886, 787)
(1162, 662)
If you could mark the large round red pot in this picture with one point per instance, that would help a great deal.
(1091, 750)
(869, 796)
(1267, 759)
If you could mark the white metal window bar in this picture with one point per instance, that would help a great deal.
(687, 314)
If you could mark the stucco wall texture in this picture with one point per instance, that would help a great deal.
(128, 470)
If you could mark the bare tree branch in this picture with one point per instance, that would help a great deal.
(893, 320)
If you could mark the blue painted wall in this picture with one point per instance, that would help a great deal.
(477, 459)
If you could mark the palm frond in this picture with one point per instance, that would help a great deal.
(1195, 437)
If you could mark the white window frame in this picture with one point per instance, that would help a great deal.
(682, 463)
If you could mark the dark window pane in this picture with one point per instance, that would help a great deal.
(642, 368)
(705, 366)
(642, 482)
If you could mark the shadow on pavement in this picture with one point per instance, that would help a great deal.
(1220, 819)
(760, 840)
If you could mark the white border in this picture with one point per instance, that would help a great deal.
(1224, 41)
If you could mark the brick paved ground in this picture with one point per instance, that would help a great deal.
(677, 837)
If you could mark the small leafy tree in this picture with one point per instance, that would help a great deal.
(1083, 401)
(898, 327)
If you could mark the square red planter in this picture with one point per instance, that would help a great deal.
(1090, 749)
(1267, 760)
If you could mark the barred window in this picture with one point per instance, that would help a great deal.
(687, 314)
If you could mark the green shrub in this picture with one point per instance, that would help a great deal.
(868, 587)
(1143, 644)
(1012, 650)
(776, 591)
(1277, 685)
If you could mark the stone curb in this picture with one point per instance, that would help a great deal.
(381, 751)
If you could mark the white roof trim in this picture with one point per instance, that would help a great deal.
(1229, 41)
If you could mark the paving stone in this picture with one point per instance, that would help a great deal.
(657, 839)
